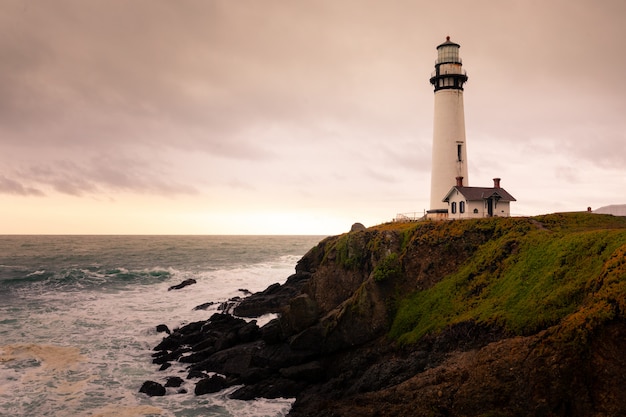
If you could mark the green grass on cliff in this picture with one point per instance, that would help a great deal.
(566, 269)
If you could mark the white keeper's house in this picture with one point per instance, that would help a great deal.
(475, 202)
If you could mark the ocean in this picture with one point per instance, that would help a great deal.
(78, 317)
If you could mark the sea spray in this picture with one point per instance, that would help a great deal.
(79, 313)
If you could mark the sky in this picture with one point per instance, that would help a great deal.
(297, 117)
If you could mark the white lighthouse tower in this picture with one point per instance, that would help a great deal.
(449, 157)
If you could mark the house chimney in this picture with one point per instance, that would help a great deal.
(496, 183)
(459, 181)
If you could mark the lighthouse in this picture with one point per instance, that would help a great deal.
(449, 152)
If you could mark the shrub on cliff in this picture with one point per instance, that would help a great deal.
(389, 268)
(565, 269)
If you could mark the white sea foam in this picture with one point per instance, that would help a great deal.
(82, 345)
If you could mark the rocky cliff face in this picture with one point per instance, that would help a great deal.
(472, 318)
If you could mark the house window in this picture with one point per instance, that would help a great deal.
(475, 211)
(462, 207)
(453, 208)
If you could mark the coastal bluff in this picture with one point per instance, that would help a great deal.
(488, 317)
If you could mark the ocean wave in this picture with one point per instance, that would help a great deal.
(84, 278)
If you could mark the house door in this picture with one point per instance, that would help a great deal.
(490, 207)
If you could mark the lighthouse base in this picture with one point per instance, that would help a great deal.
(437, 214)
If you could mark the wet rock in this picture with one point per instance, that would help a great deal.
(194, 374)
(254, 375)
(249, 332)
(273, 298)
(209, 385)
(269, 388)
(198, 356)
(233, 361)
(162, 328)
(183, 284)
(152, 389)
(272, 332)
(169, 343)
(228, 307)
(174, 381)
(309, 372)
(204, 306)
(163, 357)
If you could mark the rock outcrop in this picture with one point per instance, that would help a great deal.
(183, 284)
(471, 318)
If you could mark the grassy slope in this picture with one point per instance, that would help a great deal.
(567, 269)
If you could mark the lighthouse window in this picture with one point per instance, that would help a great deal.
(458, 152)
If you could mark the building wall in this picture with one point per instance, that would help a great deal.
(448, 133)
(475, 209)
(502, 209)
(457, 198)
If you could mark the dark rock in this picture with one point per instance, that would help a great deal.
(208, 385)
(169, 343)
(233, 361)
(301, 313)
(309, 372)
(183, 284)
(165, 366)
(245, 291)
(249, 332)
(228, 307)
(164, 356)
(271, 388)
(254, 375)
(174, 381)
(192, 327)
(273, 299)
(380, 374)
(193, 374)
(152, 389)
(272, 332)
(182, 391)
(222, 322)
(191, 339)
(204, 306)
(207, 343)
(198, 356)
(162, 328)
(227, 340)
(280, 356)
(310, 339)
(357, 227)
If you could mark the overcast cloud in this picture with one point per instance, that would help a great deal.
(316, 107)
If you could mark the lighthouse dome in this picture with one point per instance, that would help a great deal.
(448, 52)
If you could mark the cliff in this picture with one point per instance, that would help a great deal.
(490, 317)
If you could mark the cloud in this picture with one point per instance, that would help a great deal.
(100, 174)
(310, 98)
(14, 187)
